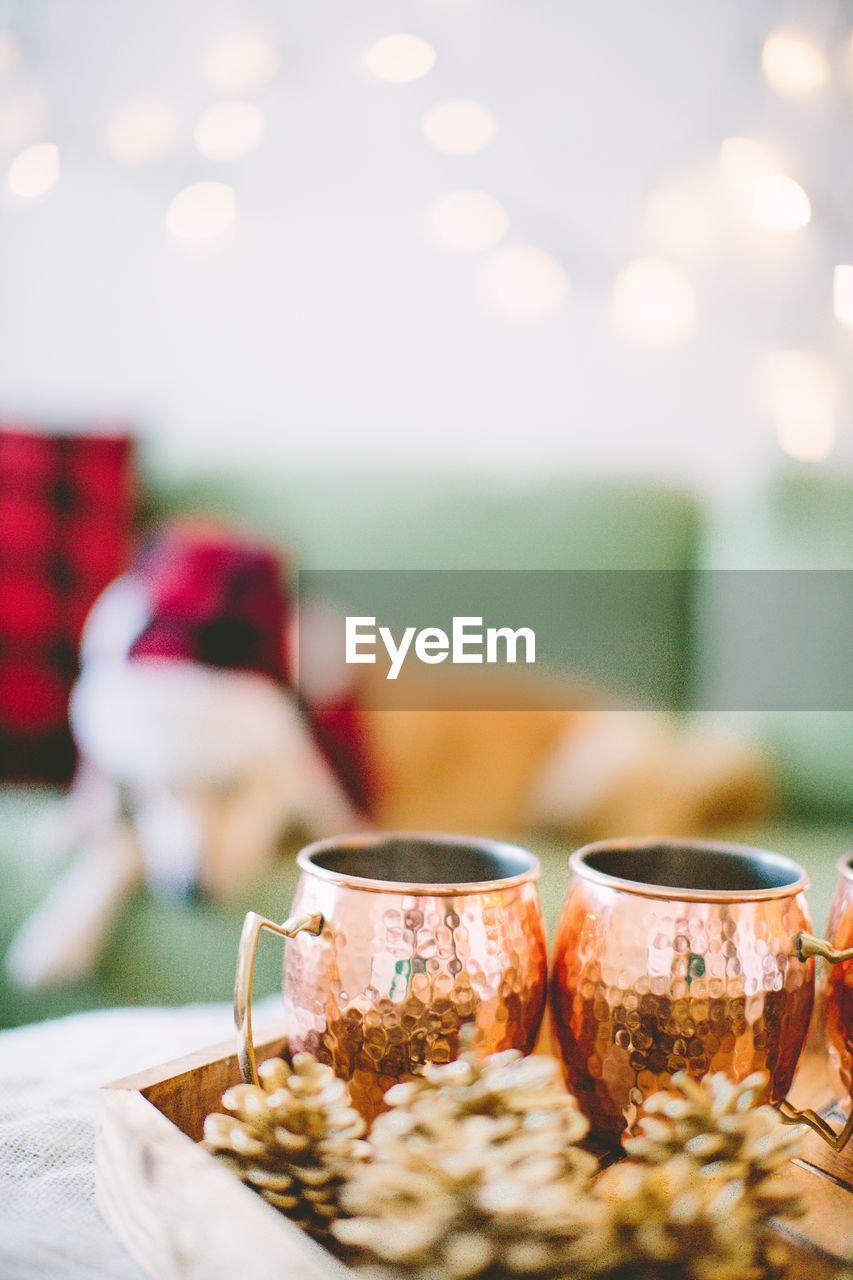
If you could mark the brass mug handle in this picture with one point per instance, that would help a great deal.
(244, 982)
(807, 945)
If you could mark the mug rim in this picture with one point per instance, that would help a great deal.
(800, 880)
(436, 889)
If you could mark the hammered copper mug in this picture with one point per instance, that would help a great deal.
(838, 990)
(679, 955)
(396, 942)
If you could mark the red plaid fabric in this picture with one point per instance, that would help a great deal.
(65, 511)
(217, 599)
(214, 599)
(339, 733)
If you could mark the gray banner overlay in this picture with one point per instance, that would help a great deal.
(724, 640)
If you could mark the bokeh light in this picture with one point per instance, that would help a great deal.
(842, 293)
(466, 221)
(242, 62)
(400, 58)
(653, 302)
(228, 130)
(22, 117)
(679, 220)
(764, 196)
(807, 433)
(141, 132)
(201, 212)
(793, 65)
(34, 172)
(777, 203)
(799, 392)
(524, 283)
(459, 127)
(10, 53)
(742, 159)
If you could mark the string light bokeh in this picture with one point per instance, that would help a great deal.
(459, 127)
(34, 172)
(228, 130)
(201, 212)
(466, 221)
(553, 251)
(141, 133)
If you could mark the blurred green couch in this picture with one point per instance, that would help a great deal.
(171, 953)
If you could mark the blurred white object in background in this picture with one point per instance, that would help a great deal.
(62, 941)
(459, 127)
(842, 293)
(141, 132)
(765, 197)
(793, 64)
(466, 221)
(400, 58)
(525, 283)
(228, 130)
(34, 172)
(777, 203)
(653, 303)
(800, 393)
(242, 62)
(202, 212)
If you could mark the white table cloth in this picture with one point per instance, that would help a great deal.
(49, 1078)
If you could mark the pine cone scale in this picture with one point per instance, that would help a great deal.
(291, 1138)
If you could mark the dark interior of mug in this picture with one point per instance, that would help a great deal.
(695, 867)
(420, 860)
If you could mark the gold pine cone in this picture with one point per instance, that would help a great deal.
(292, 1138)
(721, 1128)
(473, 1171)
(663, 1222)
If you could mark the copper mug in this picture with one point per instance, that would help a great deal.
(676, 955)
(396, 942)
(838, 989)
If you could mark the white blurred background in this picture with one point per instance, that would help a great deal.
(623, 288)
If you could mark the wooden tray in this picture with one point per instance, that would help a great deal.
(180, 1214)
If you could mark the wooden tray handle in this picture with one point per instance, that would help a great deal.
(245, 979)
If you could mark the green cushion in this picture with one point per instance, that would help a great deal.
(802, 520)
(360, 519)
(170, 953)
(405, 520)
(159, 952)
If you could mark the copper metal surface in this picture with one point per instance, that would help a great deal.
(404, 960)
(677, 955)
(839, 983)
